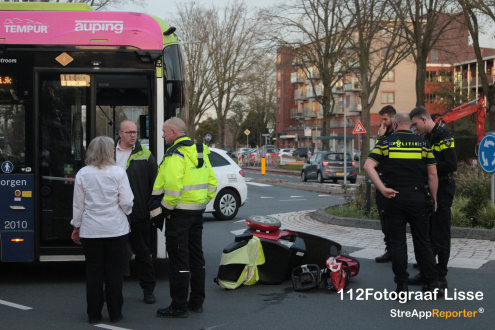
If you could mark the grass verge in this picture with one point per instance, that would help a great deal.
(349, 211)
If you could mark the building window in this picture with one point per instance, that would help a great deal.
(388, 97)
(279, 76)
(391, 52)
(279, 58)
(434, 56)
(347, 101)
(278, 92)
(431, 76)
(390, 76)
(430, 98)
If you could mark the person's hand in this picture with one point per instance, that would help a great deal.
(75, 236)
(168, 216)
(435, 205)
(382, 130)
(389, 192)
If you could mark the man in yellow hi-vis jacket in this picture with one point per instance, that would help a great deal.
(187, 183)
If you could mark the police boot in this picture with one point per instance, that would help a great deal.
(386, 257)
(418, 279)
(401, 287)
(432, 287)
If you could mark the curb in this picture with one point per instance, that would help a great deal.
(288, 172)
(456, 232)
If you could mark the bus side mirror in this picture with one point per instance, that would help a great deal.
(144, 129)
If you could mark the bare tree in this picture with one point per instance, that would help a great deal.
(472, 10)
(238, 114)
(424, 23)
(314, 33)
(379, 46)
(233, 47)
(95, 4)
(190, 21)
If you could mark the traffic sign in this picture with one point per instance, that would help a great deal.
(265, 134)
(359, 128)
(486, 153)
(247, 132)
(207, 137)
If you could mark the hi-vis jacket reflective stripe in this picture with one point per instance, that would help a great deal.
(443, 148)
(185, 187)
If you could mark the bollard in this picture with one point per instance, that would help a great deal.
(368, 194)
(263, 166)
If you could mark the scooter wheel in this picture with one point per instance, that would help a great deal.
(263, 223)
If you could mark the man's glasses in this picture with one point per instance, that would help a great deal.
(131, 132)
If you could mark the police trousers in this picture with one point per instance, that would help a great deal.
(440, 226)
(409, 208)
(379, 199)
(184, 241)
(139, 239)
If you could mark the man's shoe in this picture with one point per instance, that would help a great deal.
(401, 287)
(195, 309)
(416, 280)
(117, 319)
(442, 283)
(95, 320)
(171, 312)
(386, 257)
(149, 298)
(431, 287)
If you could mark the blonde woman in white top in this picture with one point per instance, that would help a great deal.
(102, 199)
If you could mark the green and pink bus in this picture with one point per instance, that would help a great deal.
(67, 75)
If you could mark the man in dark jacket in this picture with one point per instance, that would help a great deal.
(141, 169)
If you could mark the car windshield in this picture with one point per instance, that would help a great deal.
(337, 157)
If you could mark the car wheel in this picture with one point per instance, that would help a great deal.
(352, 180)
(303, 177)
(335, 180)
(320, 178)
(226, 205)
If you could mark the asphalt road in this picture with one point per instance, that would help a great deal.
(55, 291)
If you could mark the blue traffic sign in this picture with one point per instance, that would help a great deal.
(207, 137)
(486, 153)
(7, 167)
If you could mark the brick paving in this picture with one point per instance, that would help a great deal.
(465, 253)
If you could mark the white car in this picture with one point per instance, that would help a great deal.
(232, 189)
(286, 152)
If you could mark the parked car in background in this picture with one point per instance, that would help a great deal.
(357, 154)
(231, 190)
(303, 151)
(286, 152)
(324, 165)
(240, 150)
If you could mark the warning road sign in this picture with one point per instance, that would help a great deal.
(359, 128)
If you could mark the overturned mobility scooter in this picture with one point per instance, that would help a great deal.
(267, 254)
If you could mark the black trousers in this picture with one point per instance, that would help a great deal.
(379, 199)
(184, 241)
(104, 263)
(440, 226)
(139, 239)
(409, 208)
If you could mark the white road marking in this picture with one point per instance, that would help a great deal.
(6, 303)
(266, 197)
(323, 195)
(111, 327)
(238, 232)
(259, 184)
(296, 196)
(291, 200)
(239, 221)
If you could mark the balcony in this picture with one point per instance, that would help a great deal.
(313, 74)
(338, 90)
(295, 113)
(355, 107)
(296, 78)
(300, 95)
(354, 85)
(337, 124)
(308, 112)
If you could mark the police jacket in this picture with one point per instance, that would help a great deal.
(379, 168)
(404, 157)
(141, 171)
(442, 143)
(186, 185)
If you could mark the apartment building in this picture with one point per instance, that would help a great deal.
(299, 113)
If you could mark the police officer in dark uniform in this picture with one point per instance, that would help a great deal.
(407, 159)
(442, 143)
(387, 114)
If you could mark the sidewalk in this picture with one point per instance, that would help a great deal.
(465, 253)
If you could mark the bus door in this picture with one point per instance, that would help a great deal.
(63, 103)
